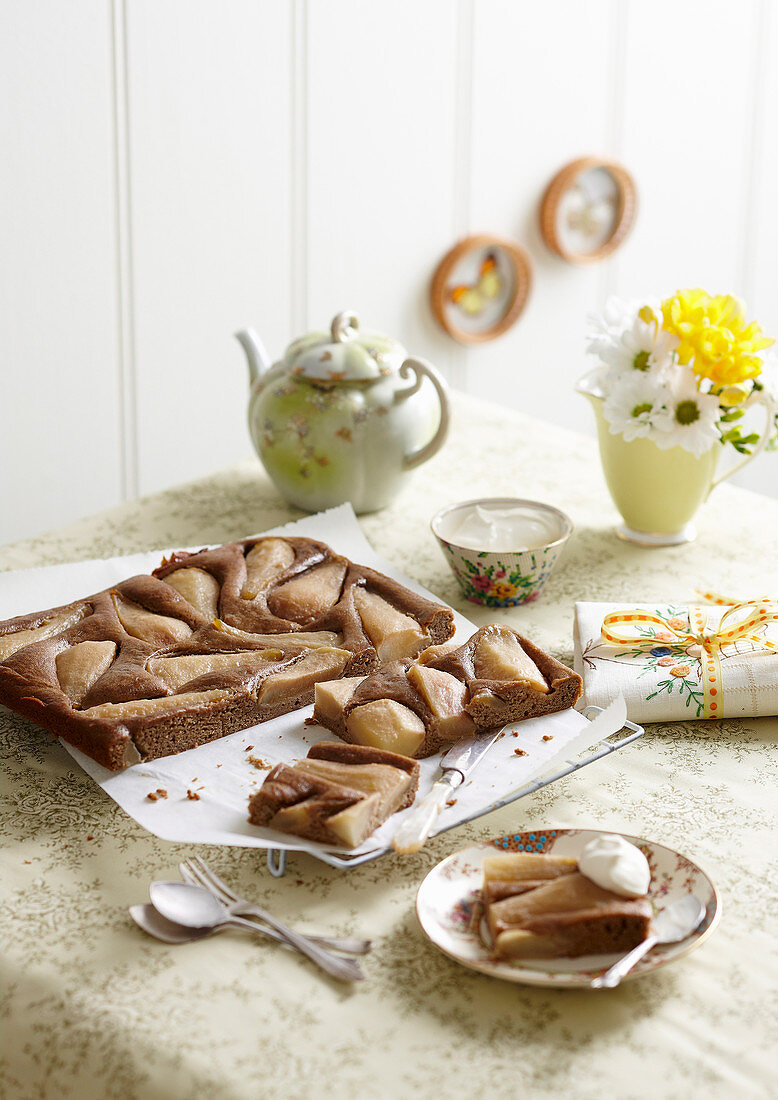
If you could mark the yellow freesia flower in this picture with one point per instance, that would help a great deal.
(714, 337)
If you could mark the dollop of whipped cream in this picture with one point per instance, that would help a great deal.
(615, 864)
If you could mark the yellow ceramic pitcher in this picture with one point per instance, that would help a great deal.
(658, 491)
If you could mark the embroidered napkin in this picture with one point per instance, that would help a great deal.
(675, 662)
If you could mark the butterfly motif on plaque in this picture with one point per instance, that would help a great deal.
(480, 288)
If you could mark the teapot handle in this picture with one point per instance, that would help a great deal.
(770, 407)
(421, 369)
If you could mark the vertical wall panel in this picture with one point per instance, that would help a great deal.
(209, 114)
(761, 262)
(541, 97)
(59, 418)
(381, 151)
(690, 140)
(688, 105)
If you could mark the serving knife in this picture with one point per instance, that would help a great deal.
(464, 756)
(457, 763)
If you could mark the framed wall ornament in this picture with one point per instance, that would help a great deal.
(480, 288)
(588, 209)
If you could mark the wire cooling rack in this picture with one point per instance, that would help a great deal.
(277, 857)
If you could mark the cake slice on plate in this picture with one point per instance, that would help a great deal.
(541, 906)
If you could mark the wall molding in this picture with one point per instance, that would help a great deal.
(128, 405)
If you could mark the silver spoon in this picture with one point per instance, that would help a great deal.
(673, 924)
(195, 907)
(147, 918)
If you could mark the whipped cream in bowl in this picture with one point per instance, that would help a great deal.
(501, 549)
(613, 863)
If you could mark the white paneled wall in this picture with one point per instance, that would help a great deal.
(175, 169)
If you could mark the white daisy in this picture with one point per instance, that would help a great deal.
(636, 405)
(692, 417)
(606, 328)
(643, 347)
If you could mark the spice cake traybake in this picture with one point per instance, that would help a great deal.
(209, 643)
(416, 707)
(339, 794)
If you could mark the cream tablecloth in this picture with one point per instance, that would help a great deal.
(93, 1008)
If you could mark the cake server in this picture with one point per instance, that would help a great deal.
(457, 763)
(463, 757)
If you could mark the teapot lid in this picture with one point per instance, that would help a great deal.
(344, 354)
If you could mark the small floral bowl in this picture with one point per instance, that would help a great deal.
(503, 578)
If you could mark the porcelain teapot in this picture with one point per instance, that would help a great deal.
(343, 416)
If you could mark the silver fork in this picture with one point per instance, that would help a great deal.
(197, 871)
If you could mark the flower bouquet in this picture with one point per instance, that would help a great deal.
(682, 372)
(671, 389)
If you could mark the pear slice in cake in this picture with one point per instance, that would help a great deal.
(446, 697)
(392, 633)
(499, 656)
(199, 588)
(306, 597)
(386, 724)
(264, 562)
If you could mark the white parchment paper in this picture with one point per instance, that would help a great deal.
(221, 773)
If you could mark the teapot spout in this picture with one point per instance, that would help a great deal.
(258, 358)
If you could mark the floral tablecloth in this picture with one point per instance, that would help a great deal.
(93, 1008)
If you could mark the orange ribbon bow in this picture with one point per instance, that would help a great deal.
(739, 623)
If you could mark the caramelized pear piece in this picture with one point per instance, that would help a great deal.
(386, 724)
(381, 779)
(356, 822)
(533, 866)
(298, 679)
(332, 696)
(305, 817)
(177, 671)
(393, 634)
(446, 697)
(265, 561)
(311, 639)
(159, 630)
(499, 656)
(199, 588)
(150, 708)
(305, 598)
(81, 666)
(432, 652)
(9, 643)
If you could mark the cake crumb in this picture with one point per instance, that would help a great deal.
(193, 796)
(248, 748)
(515, 733)
(258, 762)
(451, 802)
(151, 796)
(28, 861)
(520, 752)
(548, 737)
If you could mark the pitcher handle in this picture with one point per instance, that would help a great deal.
(421, 369)
(760, 398)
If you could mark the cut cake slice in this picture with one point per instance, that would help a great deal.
(419, 706)
(339, 794)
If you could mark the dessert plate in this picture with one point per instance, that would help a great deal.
(448, 901)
